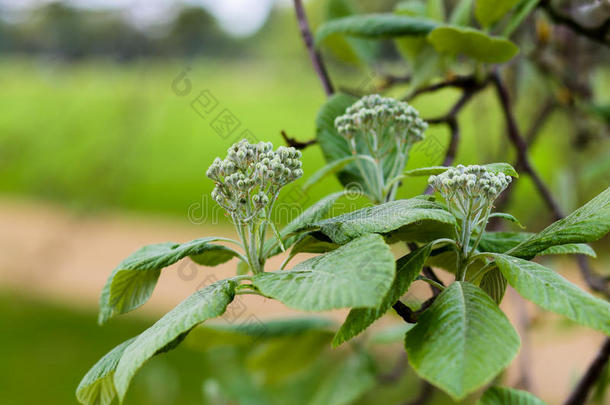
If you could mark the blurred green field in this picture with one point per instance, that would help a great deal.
(46, 349)
(95, 135)
(98, 135)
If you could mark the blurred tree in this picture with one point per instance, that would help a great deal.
(195, 31)
(59, 30)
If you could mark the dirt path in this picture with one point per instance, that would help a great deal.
(56, 255)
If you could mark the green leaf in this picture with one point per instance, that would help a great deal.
(170, 330)
(375, 26)
(215, 255)
(291, 232)
(569, 249)
(552, 292)
(358, 319)
(277, 327)
(411, 8)
(348, 382)
(391, 334)
(601, 110)
(133, 281)
(435, 9)
(412, 48)
(334, 146)
(494, 284)
(444, 258)
(488, 12)
(472, 43)
(309, 244)
(364, 49)
(508, 396)
(357, 274)
(461, 13)
(521, 13)
(587, 224)
(386, 218)
(277, 360)
(501, 242)
(426, 171)
(242, 268)
(462, 341)
(255, 331)
(427, 63)
(97, 386)
(502, 167)
(507, 217)
(492, 167)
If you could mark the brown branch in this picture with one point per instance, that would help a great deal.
(454, 140)
(314, 55)
(541, 118)
(461, 82)
(598, 34)
(297, 144)
(593, 280)
(514, 135)
(581, 392)
(388, 81)
(531, 137)
(450, 119)
(428, 272)
(406, 313)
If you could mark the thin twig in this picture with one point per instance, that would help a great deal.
(297, 144)
(404, 312)
(454, 140)
(457, 107)
(514, 135)
(407, 314)
(460, 82)
(389, 80)
(594, 281)
(428, 272)
(314, 55)
(541, 118)
(450, 119)
(581, 392)
(531, 137)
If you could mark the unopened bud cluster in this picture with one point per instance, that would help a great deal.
(376, 114)
(383, 129)
(249, 179)
(469, 186)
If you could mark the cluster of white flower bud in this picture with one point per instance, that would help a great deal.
(249, 179)
(470, 183)
(376, 114)
(383, 129)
